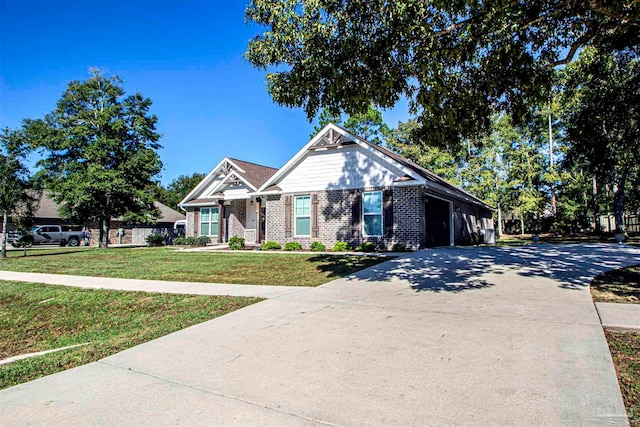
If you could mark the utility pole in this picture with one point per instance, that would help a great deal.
(554, 203)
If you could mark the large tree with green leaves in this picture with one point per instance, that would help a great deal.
(178, 189)
(602, 118)
(457, 62)
(100, 150)
(368, 125)
(17, 196)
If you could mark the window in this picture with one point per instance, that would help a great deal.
(209, 221)
(372, 213)
(303, 216)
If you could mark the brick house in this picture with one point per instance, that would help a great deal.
(47, 213)
(338, 187)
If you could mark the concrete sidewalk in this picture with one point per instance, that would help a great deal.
(456, 336)
(154, 285)
(619, 316)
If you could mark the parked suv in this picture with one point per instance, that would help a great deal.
(51, 234)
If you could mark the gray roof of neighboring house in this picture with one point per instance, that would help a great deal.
(167, 214)
(254, 173)
(48, 208)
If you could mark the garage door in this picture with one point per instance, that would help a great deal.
(438, 222)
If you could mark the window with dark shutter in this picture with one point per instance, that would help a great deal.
(287, 216)
(356, 213)
(314, 215)
(388, 212)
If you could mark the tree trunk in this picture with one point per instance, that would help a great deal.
(618, 198)
(596, 206)
(103, 234)
(5, 223)
(521, 224)
(499, 220)
(554, 202)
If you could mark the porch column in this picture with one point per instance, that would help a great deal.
(258, 204)
(221, 225)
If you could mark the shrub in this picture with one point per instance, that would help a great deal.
(318, 247)
(154, 240)
(270, 246)
(399, 247)
(191, 241)
(341, 247)
(292, 246)
(203, 240)
(179, 240)
(367, 247)
(236, 243)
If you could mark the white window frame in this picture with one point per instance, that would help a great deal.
(210, 209)
(296, 216)
(381, 214)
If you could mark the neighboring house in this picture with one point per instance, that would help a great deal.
(47, 214)
(338, 187)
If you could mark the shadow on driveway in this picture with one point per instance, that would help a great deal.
(457, 269)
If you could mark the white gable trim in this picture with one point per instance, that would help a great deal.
(205, 181)
(304, 150)
(226, 178)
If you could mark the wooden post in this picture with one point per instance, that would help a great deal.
(221, 224)
(258, 206)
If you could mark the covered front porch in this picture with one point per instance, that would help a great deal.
(242, 217)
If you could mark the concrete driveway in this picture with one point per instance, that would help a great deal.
(454, 336)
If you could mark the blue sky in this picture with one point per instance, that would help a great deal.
(185, 55)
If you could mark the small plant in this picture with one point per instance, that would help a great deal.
(178, 241)
(154, 240)
(271, 246)
(236, 243)
(341, 247)
(292, 246)
(191, 241)
(399, 247)
(203, 241)
(318, 247)
(367, 247)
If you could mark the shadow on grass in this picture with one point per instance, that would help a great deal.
(459, 270)
(343, 265)
(621, 285)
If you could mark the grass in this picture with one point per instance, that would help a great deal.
(621, 286)
(212, 267)
(625, 350)
(518, 240)
(36, 317)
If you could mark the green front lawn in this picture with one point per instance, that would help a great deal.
(621, 286)
(625, 350)
(244, 267)
(36, 317)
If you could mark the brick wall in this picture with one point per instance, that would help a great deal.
(334, 219)
(237, 213)
(192, 223)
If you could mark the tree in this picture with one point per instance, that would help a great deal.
(178, 189)
(436, 160)
(368, 125)
(17, 198)
(457, 62)
(326, 117)
(601, 111)
(100, 153)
